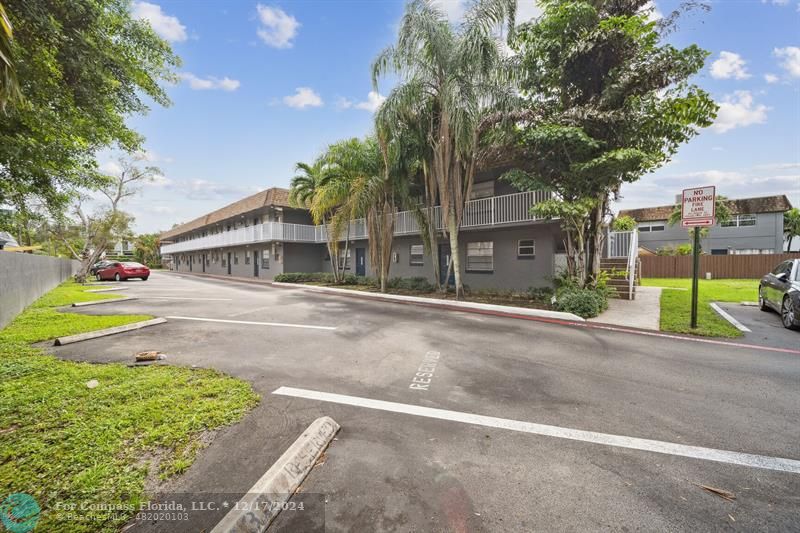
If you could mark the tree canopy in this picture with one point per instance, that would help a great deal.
(84, 67)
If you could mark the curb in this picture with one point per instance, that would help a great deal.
(106, 301)
(453, 305)
(262, 503)
(61, 341)
(109, 289)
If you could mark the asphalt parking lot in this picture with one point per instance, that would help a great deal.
(765, 326)
(410, 471)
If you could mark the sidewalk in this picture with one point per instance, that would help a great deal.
(644, 312)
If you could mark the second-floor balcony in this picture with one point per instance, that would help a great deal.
(505, 210)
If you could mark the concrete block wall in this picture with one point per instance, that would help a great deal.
(25, 277)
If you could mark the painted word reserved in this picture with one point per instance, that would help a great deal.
(422, 379)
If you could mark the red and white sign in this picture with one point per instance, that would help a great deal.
(698, 207)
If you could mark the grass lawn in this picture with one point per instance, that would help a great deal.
(676, 304)
(62, 442)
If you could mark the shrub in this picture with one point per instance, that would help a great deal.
(623, 223)
(417, 283)
(586, 303)
(540, 294)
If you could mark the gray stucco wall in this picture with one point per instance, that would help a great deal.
(510, 272)
(767, 233)
(25, 277)
(303, 257)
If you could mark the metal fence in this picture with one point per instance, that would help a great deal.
(719, 266)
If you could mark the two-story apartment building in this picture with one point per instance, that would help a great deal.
(755, 227)
(502, 244)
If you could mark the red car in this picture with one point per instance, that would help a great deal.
(121, 271)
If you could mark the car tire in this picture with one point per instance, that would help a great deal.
(762, 303)
(97, 277)
(144, 278)
(789, 314)
(117, 277)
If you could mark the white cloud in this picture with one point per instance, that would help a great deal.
(159, 180)
(791, 59)
(111, 168)
(653, 13)
(151, 156)
(738, 110)
(771, 78)
(199, 189)
(729, 65)
(166, 26)
(277, 28)
(372, 103)
(527, 10)
(211, 83)
(302, 98)
(776, 2)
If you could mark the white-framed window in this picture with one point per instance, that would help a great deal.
(526, 248)
(480, 256)
(265, 258)
(246, 258)
(416, 255)
(737, 221)
(647, 228)
(235, 258)
(482, 190)
(753, 251)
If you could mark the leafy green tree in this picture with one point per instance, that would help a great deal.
(607, 102)
(623, 223)
(323, 193)
(147, 249)
(723, 215)
(574, 217)
(791, 226)
(456, 75)
(83, 66)
(9, 86)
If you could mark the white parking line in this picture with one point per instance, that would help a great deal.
(277, 324)
(606, 439)
(184, 298)
(724, 314)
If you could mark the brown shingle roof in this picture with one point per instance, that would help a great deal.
(270, 197)
(764, 204)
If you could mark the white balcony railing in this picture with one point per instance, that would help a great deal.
(494, 211)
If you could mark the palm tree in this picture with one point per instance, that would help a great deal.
(9, 87)
(791, 226)
(452, 73)
(312, 188)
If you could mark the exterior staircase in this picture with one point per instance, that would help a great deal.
(618, 281)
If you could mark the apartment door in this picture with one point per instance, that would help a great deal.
(229, 263)
(255, 263)
(444, 260)
(191, 262)
(203, 259)
(361, 264)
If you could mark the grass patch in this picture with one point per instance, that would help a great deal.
(676, 304)
(42, 321)
(62, 442)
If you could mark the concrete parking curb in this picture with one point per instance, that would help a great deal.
(61, 341)
(262, 503)
(724, 314)
(445, 304)
(108, 301)
(109, 289)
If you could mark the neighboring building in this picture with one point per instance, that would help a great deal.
(756, 227)
(502, 244)
(7, 241)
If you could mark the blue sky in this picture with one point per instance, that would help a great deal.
(264, 85)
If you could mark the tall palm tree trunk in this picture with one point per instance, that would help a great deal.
(452, 231)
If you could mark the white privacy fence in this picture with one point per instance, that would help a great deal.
(493, 211)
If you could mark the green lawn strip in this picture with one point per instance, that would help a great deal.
(676, 304)
(63, 442)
